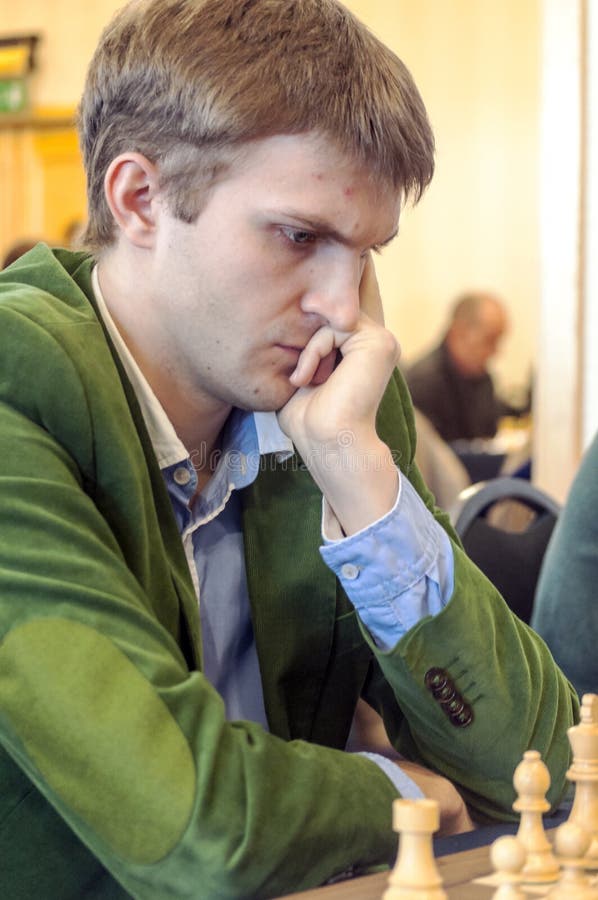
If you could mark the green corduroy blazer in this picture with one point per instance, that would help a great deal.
(119, 774)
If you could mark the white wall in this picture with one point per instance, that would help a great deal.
(477, 63)
(589, 330)
(566, 411)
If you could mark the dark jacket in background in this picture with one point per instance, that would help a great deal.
(460, 408)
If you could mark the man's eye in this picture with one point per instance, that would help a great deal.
(299, 236)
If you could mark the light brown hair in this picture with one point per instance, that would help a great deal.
(187, 82)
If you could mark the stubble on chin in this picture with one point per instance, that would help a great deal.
(266, 397)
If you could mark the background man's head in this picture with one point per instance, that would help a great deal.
(478, 323)
(187, 83)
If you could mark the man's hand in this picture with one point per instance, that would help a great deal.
(332, 416)
(369, 293)
(454, 817)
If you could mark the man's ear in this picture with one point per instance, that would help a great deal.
(131, 186)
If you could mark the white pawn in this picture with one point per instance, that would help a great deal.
(415, 875)
(584, 772)
(507, 855)
(572, 842)
(532, 780)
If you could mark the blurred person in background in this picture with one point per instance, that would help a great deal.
(451, 385)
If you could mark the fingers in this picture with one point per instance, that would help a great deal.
(369, 292)
(318, 356)
(376, 347)
(370, 300)
(454, 816)
(325, 368)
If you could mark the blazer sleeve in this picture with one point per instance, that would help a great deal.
(495, 665)
(98, 706)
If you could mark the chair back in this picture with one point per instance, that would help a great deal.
(505, 525)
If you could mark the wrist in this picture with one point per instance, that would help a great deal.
(359, 480)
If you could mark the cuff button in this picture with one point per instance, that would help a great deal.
(349, 571)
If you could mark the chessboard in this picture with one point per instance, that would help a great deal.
(463, 877)
(561, 862)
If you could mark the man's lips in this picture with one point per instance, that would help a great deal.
(290, 348)
(325, 366)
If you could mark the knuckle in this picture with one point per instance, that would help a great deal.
(391, 346)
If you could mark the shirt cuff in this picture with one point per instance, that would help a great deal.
(405, 786)
(395, 571)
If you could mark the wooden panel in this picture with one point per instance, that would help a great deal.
(42, 183)
(11, 212)
(62, 186)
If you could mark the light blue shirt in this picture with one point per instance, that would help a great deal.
(390, 590)
(395, 571)
(213, 527)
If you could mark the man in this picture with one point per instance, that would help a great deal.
(451, 385)
(180, 412)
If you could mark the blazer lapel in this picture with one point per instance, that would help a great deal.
(292, 593)
(186, 628)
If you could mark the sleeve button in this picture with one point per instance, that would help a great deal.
(349, 571)
(436, 679)
(455, 706)
(464, 718)
(446, 694)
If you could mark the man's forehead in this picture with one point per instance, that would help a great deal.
(320, 149)
(310, 178)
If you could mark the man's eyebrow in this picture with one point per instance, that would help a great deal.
(324, 228)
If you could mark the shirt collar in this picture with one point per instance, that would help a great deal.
(168, 448)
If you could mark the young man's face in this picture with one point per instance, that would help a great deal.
(277, 251)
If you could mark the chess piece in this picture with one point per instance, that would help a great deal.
(532, 780)
(507, 855)
(572, 842)
(415, 875)
(584, 773)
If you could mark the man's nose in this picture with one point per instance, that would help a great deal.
(334, 295)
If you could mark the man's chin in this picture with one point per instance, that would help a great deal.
(268, 399)
(274, 396)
